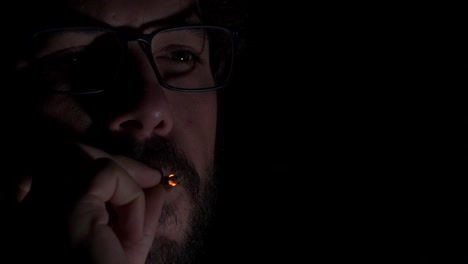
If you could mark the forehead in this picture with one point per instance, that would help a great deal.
(131, 13)
(121, 13)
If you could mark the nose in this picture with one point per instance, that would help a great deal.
(150, 113)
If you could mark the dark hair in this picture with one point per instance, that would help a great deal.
(230, 13)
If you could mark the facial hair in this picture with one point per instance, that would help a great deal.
(166, 251)
(160, 153)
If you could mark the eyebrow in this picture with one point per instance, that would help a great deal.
(188, 15)
(70, 18)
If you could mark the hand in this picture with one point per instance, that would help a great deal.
(116, 211)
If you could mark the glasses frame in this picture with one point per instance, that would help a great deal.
(146, 39)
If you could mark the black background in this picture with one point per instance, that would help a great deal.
(345, 141)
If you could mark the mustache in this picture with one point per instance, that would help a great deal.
(156, 152)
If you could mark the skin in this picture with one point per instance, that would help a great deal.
(65, 141)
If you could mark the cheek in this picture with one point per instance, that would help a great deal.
(195, 128)
(66, 112)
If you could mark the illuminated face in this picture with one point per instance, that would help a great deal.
(136, 117)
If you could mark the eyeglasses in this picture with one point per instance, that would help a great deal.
(82, 60)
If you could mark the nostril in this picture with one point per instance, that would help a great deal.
(138, 128)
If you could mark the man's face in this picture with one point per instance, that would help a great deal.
(136, 117)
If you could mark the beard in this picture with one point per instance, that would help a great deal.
(164, 250)
(160, 153)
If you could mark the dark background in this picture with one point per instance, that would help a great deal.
(345, 141)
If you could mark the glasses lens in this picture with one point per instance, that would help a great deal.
(75, 60)
(82, 60)
(193, 57)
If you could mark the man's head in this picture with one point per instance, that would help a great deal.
(133, 78)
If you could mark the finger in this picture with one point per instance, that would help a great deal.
(136, 245)
(111, 184)
(144, 175)
(23, 188)
(104, 247)
(138, 251)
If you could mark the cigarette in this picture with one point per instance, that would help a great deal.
(170, 180)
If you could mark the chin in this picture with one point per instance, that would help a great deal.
(183, 224)
(176, 216)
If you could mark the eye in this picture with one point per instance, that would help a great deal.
(64, 58)
(183, 56)
(70, 58)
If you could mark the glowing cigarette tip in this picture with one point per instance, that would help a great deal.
(170, 180)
